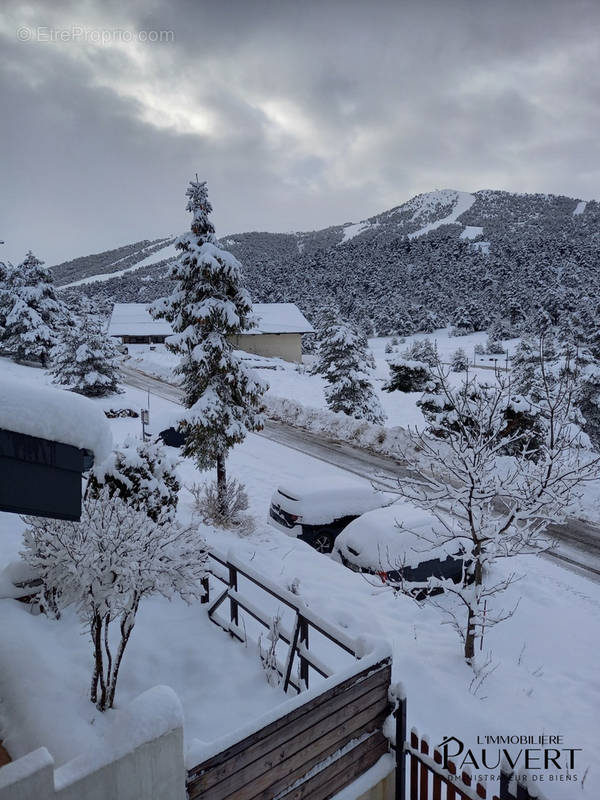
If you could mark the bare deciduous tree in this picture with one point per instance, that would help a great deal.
(496, 506)
(104, 565)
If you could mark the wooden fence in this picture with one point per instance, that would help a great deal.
(427, 779)
(323, 745)
(311, 753)
(297, 638)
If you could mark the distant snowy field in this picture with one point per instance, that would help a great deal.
(546, 671)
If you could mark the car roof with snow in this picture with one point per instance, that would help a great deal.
(395, 536)
(319, 501)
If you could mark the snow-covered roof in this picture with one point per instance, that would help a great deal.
(134, 319)
(280, 318)
(55, 415)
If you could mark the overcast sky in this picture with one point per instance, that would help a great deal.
(298, 114)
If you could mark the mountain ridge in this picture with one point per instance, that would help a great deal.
(414, 266)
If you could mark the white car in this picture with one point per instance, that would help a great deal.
(317, 510)
(400, 543)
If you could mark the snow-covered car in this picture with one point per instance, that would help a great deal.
(400, 543)
(316, 511)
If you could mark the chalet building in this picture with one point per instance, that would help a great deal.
(278, 334)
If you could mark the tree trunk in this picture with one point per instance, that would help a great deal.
(98, 675)
(221, 483)
(471, 634)
(470, 637)
(126, 627)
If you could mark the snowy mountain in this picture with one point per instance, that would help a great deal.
(409, 268)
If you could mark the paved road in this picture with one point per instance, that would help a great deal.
(578, 541)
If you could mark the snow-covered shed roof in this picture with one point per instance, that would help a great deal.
(134, 319)
(280, 318)
(55, 415)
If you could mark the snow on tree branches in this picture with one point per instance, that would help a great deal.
(207, 307)
(143, 475)
(344, 360)
(105, 565)
(31, 312)
(85, 359)
(499, 506)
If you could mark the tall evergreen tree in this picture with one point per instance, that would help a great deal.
(6, 276)
(345, 361)
(207, 307)
(32, 312)
(86, 360)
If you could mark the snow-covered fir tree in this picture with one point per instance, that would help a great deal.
(407, 375)
(6, 271)
(85, 359)
(208, 307)
(346, 363)
(326, 318)
(459, 361)
(462, 323)
(423, 350)
(32, 312)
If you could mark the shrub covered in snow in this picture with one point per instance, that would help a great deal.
(227, 511)
(422, 350)
(268, 652)
(105, 565)
(459, 361)
(494, 347)
(143, 475)
(407, 375)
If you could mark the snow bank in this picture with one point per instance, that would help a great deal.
(152, 714)
(199, 751)
(55, 415)
(25, 767)
(377, 438)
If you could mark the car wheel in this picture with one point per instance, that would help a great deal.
(323, 542)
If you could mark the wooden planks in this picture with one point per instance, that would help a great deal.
(265, 763)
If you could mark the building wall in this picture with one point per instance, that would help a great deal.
(144, 762)
(287, 346)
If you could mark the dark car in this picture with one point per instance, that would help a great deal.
(401, 544)
(172, 437)
(316, 511)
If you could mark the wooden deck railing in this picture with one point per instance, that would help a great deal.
(298, 638)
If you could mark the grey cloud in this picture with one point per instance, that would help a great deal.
(300, 115)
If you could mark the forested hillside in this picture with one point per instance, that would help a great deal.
(444, 257)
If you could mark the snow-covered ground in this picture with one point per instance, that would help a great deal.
(289, 380)
(545, 657)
